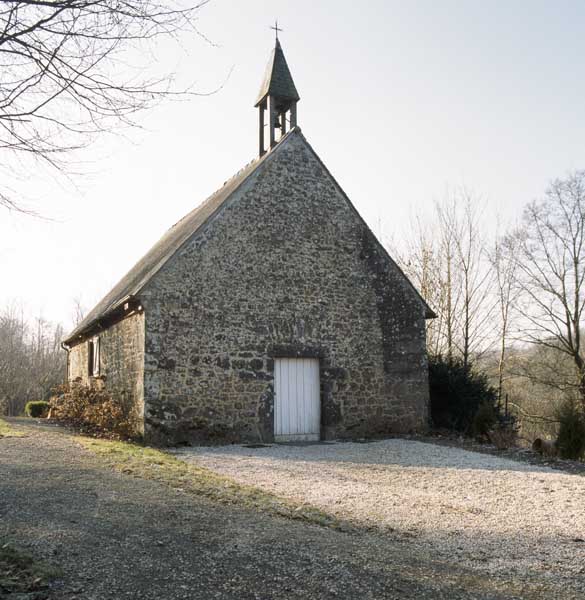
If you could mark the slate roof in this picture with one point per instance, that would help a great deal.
(169, 243)
(278, 81)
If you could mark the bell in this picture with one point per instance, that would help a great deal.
(277, 122)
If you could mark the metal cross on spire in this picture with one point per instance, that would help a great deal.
(276, 28)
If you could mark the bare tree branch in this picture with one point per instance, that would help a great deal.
(449, 265)
(551, 267)
(64, 79)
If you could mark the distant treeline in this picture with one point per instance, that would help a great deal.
(508, 302)
(31, 360)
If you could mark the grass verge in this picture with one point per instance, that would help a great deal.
(22, 576)
(148, 463)
(7, 431)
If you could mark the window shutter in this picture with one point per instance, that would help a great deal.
(96, 356)
(93, 356)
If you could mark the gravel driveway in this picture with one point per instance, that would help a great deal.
(119, 537)
(495, 516)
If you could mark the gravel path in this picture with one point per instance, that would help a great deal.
(495, 516)
(118, 537)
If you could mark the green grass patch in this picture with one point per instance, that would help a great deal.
(7, 431)
(23, 576)
(149, 463)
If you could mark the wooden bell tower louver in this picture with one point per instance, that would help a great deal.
(278, 96)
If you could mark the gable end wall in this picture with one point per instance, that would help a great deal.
(285, 269)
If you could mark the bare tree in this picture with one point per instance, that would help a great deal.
(13, 331)
(78, 313)
(503, 259)
(31, 360)
(430, 262)
(551, 265)
(448, 231)
(469, 274)
(448, 263)
(421, 262)
(72, 69)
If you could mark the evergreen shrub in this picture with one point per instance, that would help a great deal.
(461, 398)
(36, 409)
(570, 441)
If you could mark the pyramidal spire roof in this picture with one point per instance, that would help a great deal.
(278, 81)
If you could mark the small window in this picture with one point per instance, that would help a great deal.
(93, 357)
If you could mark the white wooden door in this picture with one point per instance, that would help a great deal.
(297, 405)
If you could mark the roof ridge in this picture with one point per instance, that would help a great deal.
(213, 194)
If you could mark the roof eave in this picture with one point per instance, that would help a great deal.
(97, 324)
(261, 99)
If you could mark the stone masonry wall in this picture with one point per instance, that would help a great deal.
(121, 365)
(287, 268)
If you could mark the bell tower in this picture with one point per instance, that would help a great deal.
(277, 100)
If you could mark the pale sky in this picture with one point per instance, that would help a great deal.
(399, 98)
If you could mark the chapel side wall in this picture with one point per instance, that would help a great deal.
(404, 344)
(121, 366)
(287, 269)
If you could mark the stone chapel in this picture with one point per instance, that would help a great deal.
(269, 313)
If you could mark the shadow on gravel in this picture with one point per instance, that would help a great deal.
(389, 452)
(119, 537)
(393, 452)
